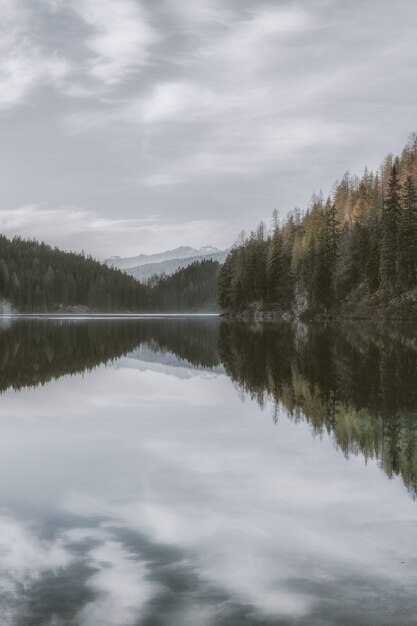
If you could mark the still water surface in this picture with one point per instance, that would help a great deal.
(197, 472)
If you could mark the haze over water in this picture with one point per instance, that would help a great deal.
(195, 471)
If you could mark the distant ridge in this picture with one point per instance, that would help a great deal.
(143, 266)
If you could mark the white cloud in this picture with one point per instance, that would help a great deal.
(245, 99)
(251, 43)
(24, 65)
(197, 13)
(73, 228)
(119, 36)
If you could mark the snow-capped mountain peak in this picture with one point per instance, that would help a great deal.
(144, 266)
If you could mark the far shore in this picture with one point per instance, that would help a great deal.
(101, 315)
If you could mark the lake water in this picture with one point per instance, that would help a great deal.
(197, 472)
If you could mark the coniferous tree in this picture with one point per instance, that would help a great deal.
(407, 236)
(390, 228)
(360, 244)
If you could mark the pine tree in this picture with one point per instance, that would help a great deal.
(274, 267)
(407, 237)
(4, 278)
(390, 228)
(333, 225)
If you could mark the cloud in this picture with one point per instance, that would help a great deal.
(76, 229)
(116, 41)
(252, 43)
(262, 86)
(236, 121)
(24, 65)
(215, 103)
(119, 36)
(189, 15)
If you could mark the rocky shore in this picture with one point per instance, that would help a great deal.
(359, 306)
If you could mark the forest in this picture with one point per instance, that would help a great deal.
(192, 288)
(35, 277)
(356, 246)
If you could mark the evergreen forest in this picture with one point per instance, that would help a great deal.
(356, 246)
(35, 277)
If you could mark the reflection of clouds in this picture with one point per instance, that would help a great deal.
(255, 512)
(120, 581)
(88, 394)
(24, 558)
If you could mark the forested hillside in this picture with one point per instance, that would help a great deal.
(356, 247)
(37, 278)
(193, 288)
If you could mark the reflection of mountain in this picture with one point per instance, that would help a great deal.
(146, 358)
(34, 351)
(359, 384)
(144, 266)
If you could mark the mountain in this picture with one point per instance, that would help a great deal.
(143, 266)
(182, 252)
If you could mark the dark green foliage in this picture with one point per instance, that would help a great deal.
(391, 216)
(407, 235)
(37, 278)
(361, 241)
(193, 288)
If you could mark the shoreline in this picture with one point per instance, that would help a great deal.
(61, 316)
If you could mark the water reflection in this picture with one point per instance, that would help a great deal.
(147, 492)
(35, 351)
(357, 382)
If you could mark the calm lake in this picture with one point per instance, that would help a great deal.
(177, 472)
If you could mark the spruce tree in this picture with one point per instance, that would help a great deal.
(407, 239)
(390, 228)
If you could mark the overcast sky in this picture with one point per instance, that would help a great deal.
(133, 126)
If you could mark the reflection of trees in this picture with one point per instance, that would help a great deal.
(32, 352)
(357, 383)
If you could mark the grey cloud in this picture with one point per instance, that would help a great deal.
(75, 229)
(199, 111)
(118, 36)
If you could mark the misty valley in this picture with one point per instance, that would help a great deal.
(196, 470)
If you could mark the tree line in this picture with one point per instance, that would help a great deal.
(35, 277)
(359, 243)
